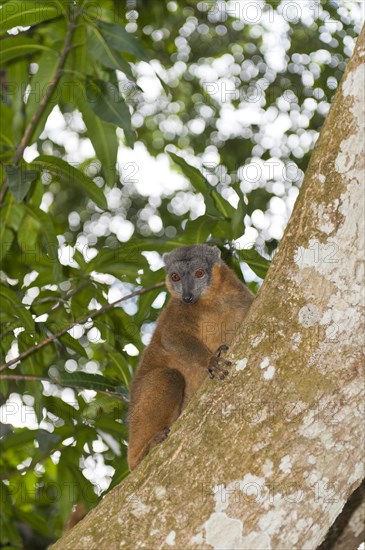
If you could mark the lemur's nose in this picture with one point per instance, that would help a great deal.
(187, 298)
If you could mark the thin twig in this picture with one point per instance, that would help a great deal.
(85, 319)
(21, 377)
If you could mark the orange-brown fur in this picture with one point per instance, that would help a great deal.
(175, 363)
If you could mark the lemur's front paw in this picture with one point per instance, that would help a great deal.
(217, 364)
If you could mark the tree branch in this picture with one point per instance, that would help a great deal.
(81, 321)
(348, 531)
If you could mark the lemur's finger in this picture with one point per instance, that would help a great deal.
(221, 349)
(222, 361)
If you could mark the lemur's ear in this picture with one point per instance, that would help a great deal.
(214, 254)
(165, 258)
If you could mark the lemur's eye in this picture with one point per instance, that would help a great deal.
(175, 277)
(199, 273)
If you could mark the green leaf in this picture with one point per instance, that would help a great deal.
(6, 242)
(60, 408)
(31, 365)
(163, 84)
(107, 103)
(47, 441)
(36, 193)
(19, 438)
(28, 234)
(19, 46)
(223, 205)
(66, 478)
(129, 330)
(103, 138)
(255, 261)
(198, 181)
(46, 223)
(100, 49)
(145, 302)
(73, 176)
(6, 152)
(72, 343)
(233, 263)
(222, 230)
(45, 301)
(17, 308)
(121, 40)
(89, 381)
(81, 300)
(9, 536)
(110, 426)
(19, 181)
(24, 14)
(6, 117)
(258, 199)
(34, 521)
(104, 404)
(108, 260)
(11, 218)
(18, 74)
(197, 231)
(107, 331)
(238, 227)
(12, 215)
(79, 258)
(119, 366)
(39, 84)
(79, 62)
(195, 177)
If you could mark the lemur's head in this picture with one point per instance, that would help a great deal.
(189, 270)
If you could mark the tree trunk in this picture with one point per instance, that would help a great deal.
(267, 458)
(348, 531)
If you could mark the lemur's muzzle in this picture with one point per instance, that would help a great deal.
(188, 298)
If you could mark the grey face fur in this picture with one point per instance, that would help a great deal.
(187, 263)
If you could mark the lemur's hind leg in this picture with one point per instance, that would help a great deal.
(156, 403)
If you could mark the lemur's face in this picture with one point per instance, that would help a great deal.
(189, 271)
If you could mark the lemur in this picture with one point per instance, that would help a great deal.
(207, 308)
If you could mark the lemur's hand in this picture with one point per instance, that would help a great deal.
(217, 364)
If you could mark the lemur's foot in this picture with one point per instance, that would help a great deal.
(162, 435)
(217, 364)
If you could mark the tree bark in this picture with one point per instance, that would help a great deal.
(268, 458)
(348, 531)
